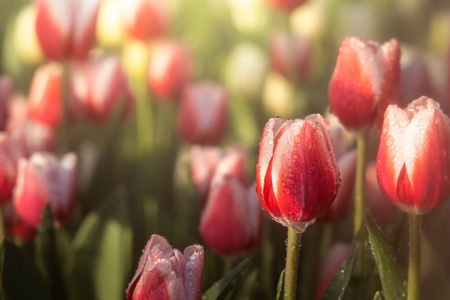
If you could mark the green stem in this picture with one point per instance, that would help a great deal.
(227, 265)
(290, 275)
(414, 257)
(360, 183)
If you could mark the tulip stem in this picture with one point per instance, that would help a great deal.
(290, 274)
(227, 265)
(360, 183)
(414, 257)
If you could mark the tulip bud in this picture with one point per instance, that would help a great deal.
(347, 167)
(286, 5)
(6, 86)
(170, 70)
(330, 264)
(43, 179)
(203, 114)
(66, 28)
(14, 225)
(297, 175)
(146, 19)
(413, 165)
(166, 273)
(10, 153)
(45, 99)
(232, 219)
(365, 81)
(290, 55)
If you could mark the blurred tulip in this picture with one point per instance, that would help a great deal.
(26, 42)
(43, 179)
(231, 164)
(66, 28)
(246, 69)
(170, 70)
(110, 28)
(290, 55)
(166, 273)
(45, 98)
(416, 82)
(135, 59)
(231, 222)
(330, 264)
(365, 81)
(309, 20)
(14, 225)
(145, 19)
(10, 153)
(286, 5)
(297, 175)
(347, 167)
(278, 96)
(381, 208)
(413, 165)
(99, 86)
(6, 87)
(203, 114)
(256, 15)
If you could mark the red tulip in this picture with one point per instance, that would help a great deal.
(43, 179)
(170, 70)
(413, 164)
(98, 87)
(14, 225)
(232, 220)
(6, 87)
(330, 264)
(10, 153)
(231, 164)
(291, 55)
(166, 273)
(146, 19)
(286, 5)
(45, 100)
(297, 175)
(347, 167)
(203, 114)
(365, 81)
(66, 28)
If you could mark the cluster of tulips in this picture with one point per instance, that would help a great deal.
(307, 169)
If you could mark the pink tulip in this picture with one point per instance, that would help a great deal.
(10, 153)
(365, 81)
(203, 113)
(232, 220)
(14, 225)
(286, 5)
(170, 70)
(43, 179)
(66, 28)
(166, 273)
(413, 162)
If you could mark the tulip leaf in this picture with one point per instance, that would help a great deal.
(102, 250)
(220, 289)
(378, 296)
(338, 284)
(392, 278)
(19, 277)
(280, 286)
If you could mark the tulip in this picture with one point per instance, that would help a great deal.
(291, 56)
(166, 273)
(203, 114)
(365, 81)
(146, 19)
(286, 5)
(14, 225)
(297, 175)
(330, 264)
(45, 99)
(413, 164)
(43, 179)
(10, 153)
(416, 82)
(232, 220)
(170, 70)
(231, 164)
(99, 86)
(66, 29)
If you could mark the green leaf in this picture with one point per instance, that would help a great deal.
(378, 296)
(220, 289)
(102, 252)
(280, 286)
(338, 284)
(19, 277)
(392, 278)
